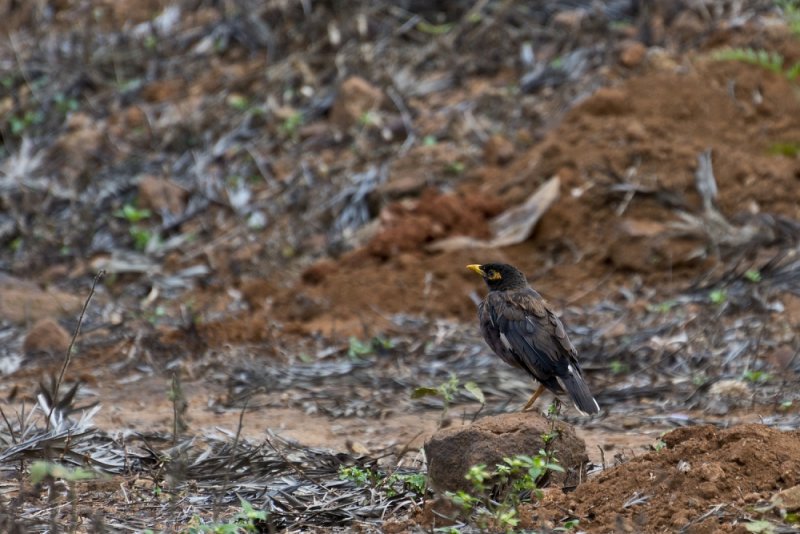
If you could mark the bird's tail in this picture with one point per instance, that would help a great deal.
(579, 392)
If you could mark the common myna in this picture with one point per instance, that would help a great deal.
(519, 326)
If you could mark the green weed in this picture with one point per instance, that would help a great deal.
(497, 493)
(768, 60)
(357, 349)
(245, 521)
(718, 296)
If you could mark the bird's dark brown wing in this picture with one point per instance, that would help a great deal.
(525, 333)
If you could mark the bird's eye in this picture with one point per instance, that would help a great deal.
(494, 275)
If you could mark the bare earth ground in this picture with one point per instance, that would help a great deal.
(303, 166)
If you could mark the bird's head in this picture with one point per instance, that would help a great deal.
(500, 276)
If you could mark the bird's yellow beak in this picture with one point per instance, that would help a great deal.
(475, 268)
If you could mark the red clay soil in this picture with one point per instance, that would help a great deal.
(646, 131)
(668, 490)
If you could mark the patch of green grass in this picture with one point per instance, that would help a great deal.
(768, 60)
(497, 493)
(447, 390)
(791, 12)
(357, 475)
(392, 484)
(756, 377)
(772, 61)
(40, 470)
(788, 149)
(358, 349)
(247, 520)
(20, 123)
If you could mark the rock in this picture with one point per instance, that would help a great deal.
(46, 338)
(788, 499)
(452, 451)
(632, 53)
(356, 97)
(725, 395)
(498, 150)
(161, 196)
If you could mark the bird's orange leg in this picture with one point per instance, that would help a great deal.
(534, 397)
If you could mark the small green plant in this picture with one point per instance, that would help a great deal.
(41, 470)
(699, 379)
(659, 445)
(752, 275)
(141, 237)
(662, 307)
(414, 482)
(434, 29)
(496, 494)
(756, 377)
(718, 296)
(429, 140)
(791, 12)
(447, 391)
(618, 367)
(568, 526)
(393, 484)
(368, 118)
(150, 42)
(21, 123)
(132, 214)
(786, 405)
(238, 102)
(456, 167)
(771, 61)
(291, 124)
(65, 104)
(247, 520)
(358, 349)
(787, 149)
(15, 244)
(358, 476)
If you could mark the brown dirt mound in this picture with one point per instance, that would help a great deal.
(644, 133)
(675, 488)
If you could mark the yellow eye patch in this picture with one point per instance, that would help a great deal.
(494, 275)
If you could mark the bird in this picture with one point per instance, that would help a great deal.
(522, 329)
